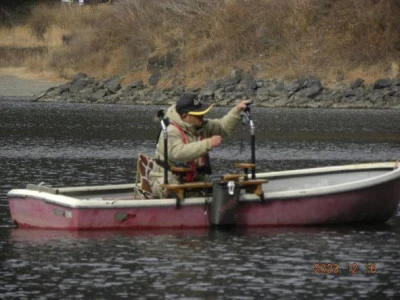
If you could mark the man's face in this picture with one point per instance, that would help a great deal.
(196, 121)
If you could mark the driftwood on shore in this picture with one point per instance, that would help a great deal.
(308, 92)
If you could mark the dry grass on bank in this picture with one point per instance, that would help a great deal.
(209, 38)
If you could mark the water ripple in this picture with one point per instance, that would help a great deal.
(65, 144)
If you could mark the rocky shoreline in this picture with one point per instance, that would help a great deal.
(307, 92)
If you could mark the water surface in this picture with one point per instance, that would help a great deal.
(78, 144)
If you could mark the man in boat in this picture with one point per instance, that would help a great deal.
(190, 138)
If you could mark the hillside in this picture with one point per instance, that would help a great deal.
(188, 43)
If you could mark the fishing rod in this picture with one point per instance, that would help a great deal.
(164, 124)
(248, 120)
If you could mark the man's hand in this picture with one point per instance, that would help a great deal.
(216, 141)
(242, 105)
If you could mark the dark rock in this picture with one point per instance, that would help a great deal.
(209, 89)
(309, 88)
(159, 98)
(314, 90)
(292, 87)
(99, 94)
(259, 84)
(357, 83)
(307, 82)
(349, 93)
(64, 88)
(80, 82)
(305, 92)
(280, 86)
(248, 81)
(382, 83)
(134, 87)
(231, 88)
(113, 84)
(227, 82)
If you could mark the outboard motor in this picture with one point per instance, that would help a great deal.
(225, 201)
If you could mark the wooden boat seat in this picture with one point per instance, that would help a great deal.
(180, 169)
(232, 177)
(181, 188)
(245, 165)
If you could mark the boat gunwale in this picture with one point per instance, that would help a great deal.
(72, 202)
(330, 169)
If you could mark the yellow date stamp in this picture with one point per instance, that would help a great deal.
(347, 268)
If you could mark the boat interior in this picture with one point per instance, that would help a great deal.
(271, 182)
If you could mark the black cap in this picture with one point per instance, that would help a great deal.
(189, 103)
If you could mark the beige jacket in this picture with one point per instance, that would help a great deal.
(179, 152)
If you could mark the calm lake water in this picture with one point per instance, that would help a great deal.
(78, 144)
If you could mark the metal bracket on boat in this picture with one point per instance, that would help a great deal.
(262, 198)
(178, 202)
